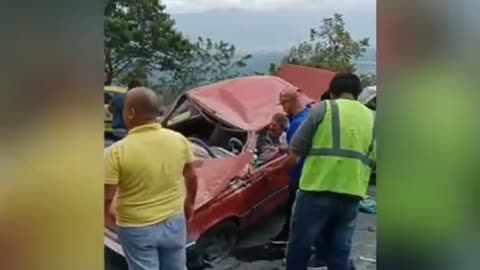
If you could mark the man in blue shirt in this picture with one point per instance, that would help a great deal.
(297, 112)
(116, 109)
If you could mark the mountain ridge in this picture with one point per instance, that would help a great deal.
(269, 30)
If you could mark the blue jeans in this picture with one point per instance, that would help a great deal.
(155, 247)
(315, 215)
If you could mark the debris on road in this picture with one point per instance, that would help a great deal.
(369, 228)
(366, 259)
(368, 206)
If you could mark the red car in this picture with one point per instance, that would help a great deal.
(227, 123)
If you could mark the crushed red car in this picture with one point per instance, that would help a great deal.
(227, 123)
(312, 82)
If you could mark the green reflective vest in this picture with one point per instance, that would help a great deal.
(343, 150)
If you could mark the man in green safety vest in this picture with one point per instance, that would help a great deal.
(338, 143)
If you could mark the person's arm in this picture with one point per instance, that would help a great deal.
(191, 181)
(110, 204)
(111, 166)
(301, 142)
(191, 186)
(289, 162)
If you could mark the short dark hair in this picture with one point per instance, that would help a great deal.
(134, 84)
(281, 119)
(345, 83)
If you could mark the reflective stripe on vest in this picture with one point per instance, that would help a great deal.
(336, 150)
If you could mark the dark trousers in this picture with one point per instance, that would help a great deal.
(292, 193)
(314, 215)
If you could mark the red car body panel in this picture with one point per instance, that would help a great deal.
(247, 102)
(312, 82)
(232, 188)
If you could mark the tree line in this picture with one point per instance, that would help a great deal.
(141, 41)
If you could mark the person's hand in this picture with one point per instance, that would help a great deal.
(188, 210)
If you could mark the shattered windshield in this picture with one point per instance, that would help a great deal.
(183, 112)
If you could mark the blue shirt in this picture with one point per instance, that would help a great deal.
(295, 121)
(118, 102)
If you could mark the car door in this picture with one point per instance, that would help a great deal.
(265, 193)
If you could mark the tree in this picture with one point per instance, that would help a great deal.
(329, 47)
(140, 34)
(209, 62)
(139, 70)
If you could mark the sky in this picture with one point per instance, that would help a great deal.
(187, 6)
(268, 25)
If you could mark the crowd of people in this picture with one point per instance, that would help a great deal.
(330, 150)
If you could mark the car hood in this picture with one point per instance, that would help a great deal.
(247, 103)
(215, 175)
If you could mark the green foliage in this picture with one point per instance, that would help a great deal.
(209, 62)
(329, 47)
(273, 69)
(139, 35)
(140, 41)
(140, 70)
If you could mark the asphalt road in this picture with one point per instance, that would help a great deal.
(252, 255)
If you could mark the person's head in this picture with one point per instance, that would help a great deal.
(134, 84)
(141, 107)
(345, 85)
(290, 101)
(278, 124)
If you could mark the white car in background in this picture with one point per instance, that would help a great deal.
(369, 97)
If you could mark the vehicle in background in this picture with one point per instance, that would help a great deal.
(369, 97)
(109, 93)
(227, 124)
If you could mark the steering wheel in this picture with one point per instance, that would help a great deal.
(203, 145)
(235, 145)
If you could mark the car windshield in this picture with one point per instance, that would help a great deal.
(210, 137)
(183, 112)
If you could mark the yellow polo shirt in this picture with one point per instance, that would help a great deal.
(147, 166)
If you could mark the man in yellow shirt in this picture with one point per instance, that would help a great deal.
(145, 170)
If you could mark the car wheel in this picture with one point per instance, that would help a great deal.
(218, 242)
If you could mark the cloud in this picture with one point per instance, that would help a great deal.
(181, 6)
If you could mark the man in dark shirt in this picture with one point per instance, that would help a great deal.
(297, 112)
(116, 109)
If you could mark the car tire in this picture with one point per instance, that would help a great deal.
(217, 243)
